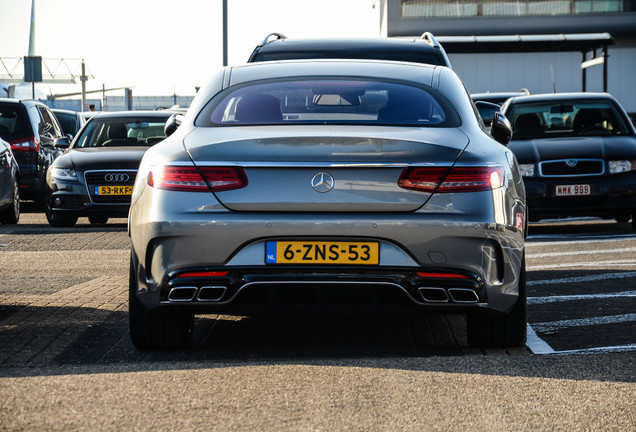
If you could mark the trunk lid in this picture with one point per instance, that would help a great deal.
(307, 169)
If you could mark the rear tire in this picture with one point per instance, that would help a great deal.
(11, 215)
(97, 220)
(500, 330)
(156, 329)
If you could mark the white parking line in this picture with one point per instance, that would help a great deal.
(558, 299)
(579, 279)
(592, 238)
(539, 346)
(584, 252)
(561, 324)
(619, 263)
(536, 344)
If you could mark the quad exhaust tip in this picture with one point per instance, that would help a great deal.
(446, 295)
(193, 293)
(433, 294)
(463, 295)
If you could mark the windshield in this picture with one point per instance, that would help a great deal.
(566, 119)
(329, 102)
(117, 132)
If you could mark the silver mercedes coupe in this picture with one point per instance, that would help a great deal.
(329, 184)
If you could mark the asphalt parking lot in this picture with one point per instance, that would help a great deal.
(64, 348)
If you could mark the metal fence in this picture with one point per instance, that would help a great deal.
(472, 8)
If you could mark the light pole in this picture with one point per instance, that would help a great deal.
(224, 32)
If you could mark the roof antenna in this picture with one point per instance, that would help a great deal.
(553, 84)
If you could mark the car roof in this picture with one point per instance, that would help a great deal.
(26, 102)
(426, 44)
(549, 97)
(415, 45)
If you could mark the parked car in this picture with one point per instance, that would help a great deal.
(425, 49)
(577, 153)
(328, 182)
(9, 185)
(36, 139)
(95, 177)
(70, 121)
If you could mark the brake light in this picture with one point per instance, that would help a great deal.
(451, 179)
(203, 179)
(442, 275)
(25, 144)
(203, 274)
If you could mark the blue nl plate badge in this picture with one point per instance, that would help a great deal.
(270, 253)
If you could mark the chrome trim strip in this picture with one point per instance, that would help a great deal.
(321, 282)
(317, 164)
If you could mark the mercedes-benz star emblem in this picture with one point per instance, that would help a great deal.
(116, 177)
(322, 182)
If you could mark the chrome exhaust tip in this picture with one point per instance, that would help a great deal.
(463, 295)
(182, 293)
(211, 293)
(433, 294)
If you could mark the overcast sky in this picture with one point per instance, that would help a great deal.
(161, 46)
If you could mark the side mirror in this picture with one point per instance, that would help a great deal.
(501, 130)
(62, 142)
(487, 110)
(173, 124)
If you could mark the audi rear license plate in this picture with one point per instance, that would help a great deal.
(573, 190)
(322, 252)
(113, 190)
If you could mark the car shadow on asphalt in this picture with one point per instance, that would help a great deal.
(58, 336)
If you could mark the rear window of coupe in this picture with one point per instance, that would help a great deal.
(328, 102)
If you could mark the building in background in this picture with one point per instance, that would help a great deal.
(544, 50)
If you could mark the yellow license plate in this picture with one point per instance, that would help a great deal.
(322, 252)
(113, 190)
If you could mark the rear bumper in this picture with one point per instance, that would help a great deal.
(487, 256)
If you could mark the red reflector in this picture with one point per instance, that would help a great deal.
(25, 144)
(203, 274)
(455, 179)
(442, 275)
(190, 178)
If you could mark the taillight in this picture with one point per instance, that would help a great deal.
(25, 144)
(191, 179)
(451, 179)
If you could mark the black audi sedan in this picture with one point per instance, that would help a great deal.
(577, 154)
(95, 177)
